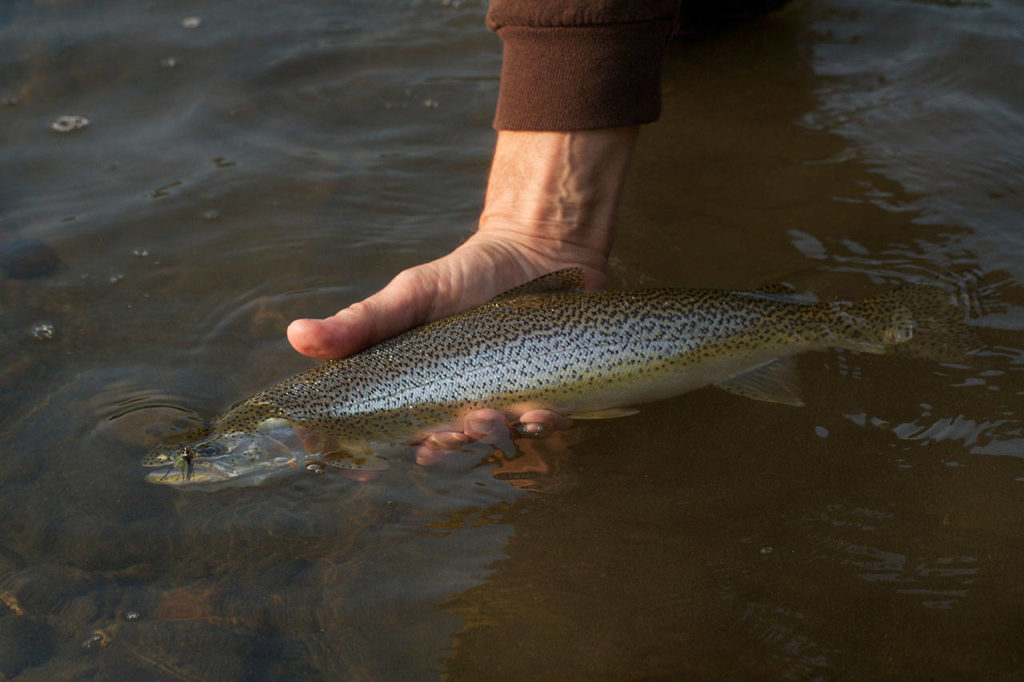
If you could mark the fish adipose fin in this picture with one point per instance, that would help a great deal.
(568, 280)
(773, 382)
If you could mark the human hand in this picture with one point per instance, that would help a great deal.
(490, 262)
(551, 204)
(489, 427)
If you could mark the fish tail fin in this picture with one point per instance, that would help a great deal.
(915, 320)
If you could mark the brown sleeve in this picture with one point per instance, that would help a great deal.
(580, 64)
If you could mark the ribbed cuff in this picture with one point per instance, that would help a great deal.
(581, 78)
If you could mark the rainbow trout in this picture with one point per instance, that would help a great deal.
(547, 344)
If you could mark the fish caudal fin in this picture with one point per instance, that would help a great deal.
(918, 321)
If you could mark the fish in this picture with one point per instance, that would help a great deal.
(548, 344)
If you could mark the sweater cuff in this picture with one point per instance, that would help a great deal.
(556, 78)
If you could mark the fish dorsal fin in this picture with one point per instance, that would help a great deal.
(568, 280)
(773, 382)
(777, 291)
(775, 288)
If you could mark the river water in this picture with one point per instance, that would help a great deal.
(246, 163)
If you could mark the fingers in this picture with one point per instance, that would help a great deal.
(482, 426)
(404, 303)
(321, 338)
(439, 447)
(489, 427)
(541, 423)
(485, 426)
(490, 262)
(415, 296)
(360, 475)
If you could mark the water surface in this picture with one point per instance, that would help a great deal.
(284, 159)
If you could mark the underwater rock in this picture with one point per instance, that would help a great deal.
(23, 644)
(24, 258)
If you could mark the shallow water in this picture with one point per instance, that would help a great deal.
(281, 160)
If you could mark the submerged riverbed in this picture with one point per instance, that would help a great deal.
(248, 163)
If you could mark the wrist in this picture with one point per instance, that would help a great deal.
(558, 191)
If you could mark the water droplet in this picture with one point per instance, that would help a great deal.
(69, 123)
(169, 62)
(44, 331)
(431, 103)
(191, 22)
(766, 550)
(116, 278)
(131, 616)
(140, 252)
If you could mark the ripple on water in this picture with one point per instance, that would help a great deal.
(134, 408)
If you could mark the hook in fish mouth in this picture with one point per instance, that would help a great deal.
(184, 462)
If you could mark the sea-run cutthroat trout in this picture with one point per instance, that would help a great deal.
(547, 344)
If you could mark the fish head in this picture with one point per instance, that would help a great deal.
(247, 458)
(240, 457)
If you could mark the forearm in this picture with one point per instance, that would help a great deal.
(558, 192)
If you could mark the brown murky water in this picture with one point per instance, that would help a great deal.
(283, 159)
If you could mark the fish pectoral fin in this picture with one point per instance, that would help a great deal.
(569, 279)
(358, 457)
(773, 382)
(610, 413)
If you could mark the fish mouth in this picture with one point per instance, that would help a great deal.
(241, 458)
(222, 460)
(217, 472)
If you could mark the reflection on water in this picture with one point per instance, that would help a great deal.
(280, 160)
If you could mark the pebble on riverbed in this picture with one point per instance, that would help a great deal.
(44, 331)
(69, 123)
(24, 644)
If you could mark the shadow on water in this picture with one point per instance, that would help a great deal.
(869, 534)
